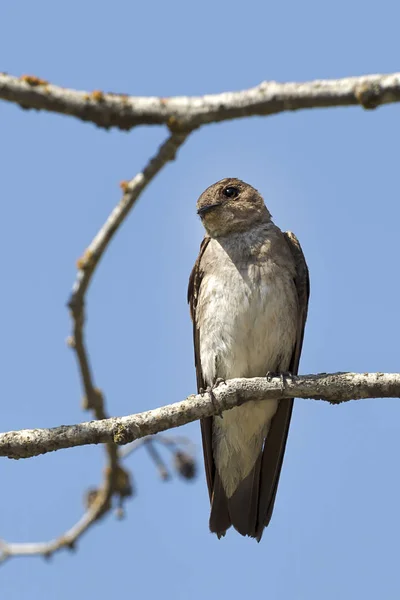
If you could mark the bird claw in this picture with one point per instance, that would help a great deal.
(210, 390)
(281, 374)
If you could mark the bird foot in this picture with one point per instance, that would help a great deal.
(281, 374)
(210, 390)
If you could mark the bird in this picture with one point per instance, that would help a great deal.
(248, 295)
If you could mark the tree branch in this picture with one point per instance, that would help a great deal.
(184, 112)
(116, 479)
(131, 192)
(181, 115)
(334, 388)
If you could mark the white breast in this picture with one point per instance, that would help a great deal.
(248, 327)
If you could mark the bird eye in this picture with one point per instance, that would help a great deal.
(230, 192)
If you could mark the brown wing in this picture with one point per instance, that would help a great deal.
(302, 282)
(275, 443)
(206, 424)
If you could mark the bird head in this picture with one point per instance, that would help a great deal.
(231, 206)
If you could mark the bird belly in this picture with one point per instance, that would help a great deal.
(245, 333)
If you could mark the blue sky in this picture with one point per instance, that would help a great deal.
(329, 175)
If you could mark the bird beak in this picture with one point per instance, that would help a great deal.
(205, 209)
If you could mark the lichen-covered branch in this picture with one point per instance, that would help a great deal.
(185, 112)
(334, 388)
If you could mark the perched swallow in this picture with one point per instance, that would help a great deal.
(248, 295)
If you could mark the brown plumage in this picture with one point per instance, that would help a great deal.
(248, 295)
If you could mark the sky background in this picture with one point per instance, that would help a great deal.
(331, 176)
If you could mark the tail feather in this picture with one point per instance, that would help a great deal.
(250, 507)
(241, 509)
(243, 505)
(271, 465)
(220, 520)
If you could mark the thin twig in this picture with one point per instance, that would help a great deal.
(334, 388)
(69, 538)
(184, 112)
(168, 441)
(157, 458)
(116, 479)
(132, 190)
